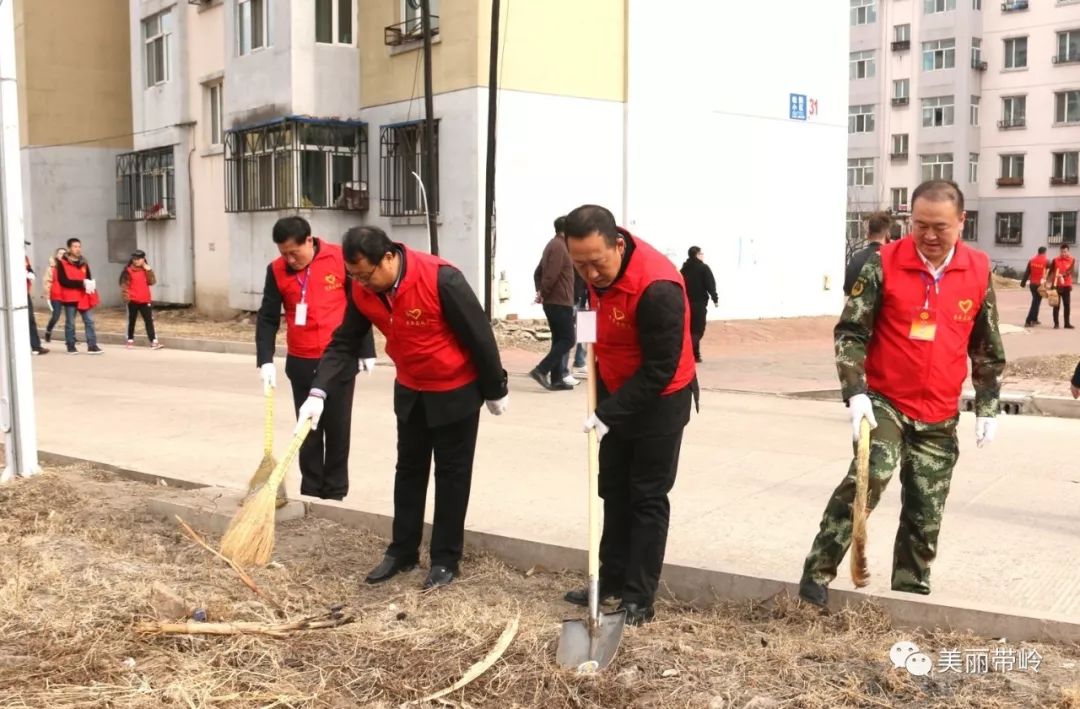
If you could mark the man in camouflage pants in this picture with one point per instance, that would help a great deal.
(919, 308)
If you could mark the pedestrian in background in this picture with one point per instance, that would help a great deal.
(1061, 280)
(700, 287)
(1034, 274)
(135, 282)
(50, 289)
(555, 288)
(878, 226)
(35, 341)
(78, 293)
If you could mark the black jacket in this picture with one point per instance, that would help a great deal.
(466, 318)
(854, 267)
(700, 283)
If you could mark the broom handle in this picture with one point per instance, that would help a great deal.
(268, 423)
(594, 493)
(294, 447)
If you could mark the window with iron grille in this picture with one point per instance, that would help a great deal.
(145, 185)
(1062, 228)
(1009, 228)
(297, 163)
(971, 226)
(401, 154)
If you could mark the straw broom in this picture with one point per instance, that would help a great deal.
(249, 540)
(860, 571)
(267, 465)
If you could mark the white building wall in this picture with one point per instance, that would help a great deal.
(258, 85)
(714, 160)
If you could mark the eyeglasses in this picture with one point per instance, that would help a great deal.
(366, 276)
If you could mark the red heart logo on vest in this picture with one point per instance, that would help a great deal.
(965, 305)
(414, 314)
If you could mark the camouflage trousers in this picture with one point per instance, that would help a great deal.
(925, 454)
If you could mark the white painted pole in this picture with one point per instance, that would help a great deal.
(17, 420)
(423, 193)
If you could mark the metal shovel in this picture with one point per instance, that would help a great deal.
(590, 645)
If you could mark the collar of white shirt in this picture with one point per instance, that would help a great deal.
(936, 272)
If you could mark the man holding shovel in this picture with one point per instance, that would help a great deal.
(309, 280)
(918, 309)
(447, 365)
(646, 385)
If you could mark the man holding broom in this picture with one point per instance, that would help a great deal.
(447, 365)
(309, 280)
(647, 382)
(918, 309)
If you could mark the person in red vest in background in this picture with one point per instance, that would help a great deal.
(78, 293)
(1061, 279)
(647, 383)
(447, 365)
(135, 282)
(35, 340)
(1034, 274)
(51, 289)
(309, 281)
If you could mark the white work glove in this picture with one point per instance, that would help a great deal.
(498, 407)
(268, 374)
(367, 365)
(311, 409)
(31, 276)
(593, 422)
(985, 428)
(861, 408)
(89, 285)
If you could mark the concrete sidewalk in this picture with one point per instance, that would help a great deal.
(754, 476)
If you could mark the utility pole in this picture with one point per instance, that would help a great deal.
(432, 184)
(16, 378)
(489, 180)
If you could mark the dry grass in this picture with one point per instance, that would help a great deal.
(1056, 368)
(80, 554)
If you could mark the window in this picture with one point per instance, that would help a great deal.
(1013, 5)
(971, 226)
(411, 17)
(1066, 168)
(1067, 107)
(145, 185)
(861, 65)
(297, 163)
(1012, 170)
(1009, 228)
(1016, 52)
(157, 30)
(940, 54)
(932, 6)
(938, 111)
(861, 119)
(1068, 47)
(252, 25)
(902, 33)
(863, 12)
(976, 52)
(973, 168)
(899, 144)
(1013, 111)
(937, 166)
(899, 199)
(974, 117)
(860, 172)
(334, 21)
(401, 153)
(214, 114)
(900, 89)
(1062, 228)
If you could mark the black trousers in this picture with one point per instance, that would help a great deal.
(35, 339)
(453, 446)
(697, 325)
(1066, 296)
(561, 321)
(324, 456)
(636, 475)
(134, 311)
(1036, 301)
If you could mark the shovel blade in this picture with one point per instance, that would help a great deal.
(590, 650)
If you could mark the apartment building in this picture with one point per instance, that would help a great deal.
(983, 93)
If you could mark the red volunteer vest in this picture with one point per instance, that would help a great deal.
(321, 284)
(1038, 269)
(924, 379)
(77, 296)
(618, 347)
(1063, 265)
(427, 355)
(138, 287)
(55, 291)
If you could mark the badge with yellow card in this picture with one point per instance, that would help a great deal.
(923, 325)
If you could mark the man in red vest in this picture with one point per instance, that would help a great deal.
(1035, 273)
(1061, 279)
(647, 383)
(78, 293)
(310, 282)
(447, 364)
(919, 309)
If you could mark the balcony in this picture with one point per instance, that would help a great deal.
(1066, 180)
(1014, 5)
(900, 100)
(411, 30)
(1010, 123)
(901, 45)
(1070, 58)
(898, 156)
(979, 66)
(1010, 182)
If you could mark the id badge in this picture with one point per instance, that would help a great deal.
(923, 325)
(586, 326)
(301, 314)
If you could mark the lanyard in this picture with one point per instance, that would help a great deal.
(303, 284)
(935, 282)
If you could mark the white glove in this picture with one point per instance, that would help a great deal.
(268, 374)
(31, 276)
(367, 365)
(89, 285)
(311, 409)
(861, 408)
(985, 428)
(498, 407)
(593, 422)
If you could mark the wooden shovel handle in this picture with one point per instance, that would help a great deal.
(268, 422)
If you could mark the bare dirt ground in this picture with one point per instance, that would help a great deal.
(81, 555)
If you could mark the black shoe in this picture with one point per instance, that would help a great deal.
(814, 593)
(41, 351)
(1038, 322)
(94, 349)
(540, 378)
(697, 358)
(388, 568)
(580, 596)
(561, 386)
(48, 336)
(636, 613)
(71, 349)
(1069, 327)
(438, 576)
(1055, 326)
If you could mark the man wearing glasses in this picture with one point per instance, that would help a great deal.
(447, 365)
